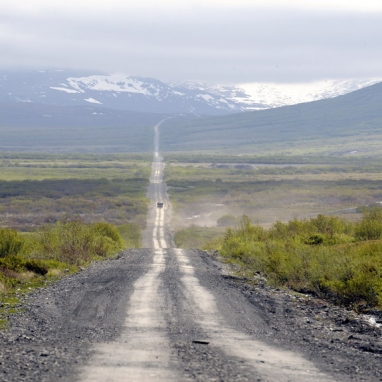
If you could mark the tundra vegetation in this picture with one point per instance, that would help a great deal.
(317, 227)
(201, 193)
(327, 256)
(60, 212)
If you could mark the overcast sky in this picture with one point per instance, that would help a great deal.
(221, 41)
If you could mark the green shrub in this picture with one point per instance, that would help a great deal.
(110, 231)
(370, 227)
(75, 242)
(10, 242)
(330, 225)
(318, 256)
(315, 240)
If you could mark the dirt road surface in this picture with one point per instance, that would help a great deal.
(167, 314)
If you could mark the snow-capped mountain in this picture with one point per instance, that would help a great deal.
(258, 96)
(115, 91)
(271, 95)
(122, 92)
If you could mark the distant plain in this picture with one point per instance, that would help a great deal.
(38, 189)
(203, 193)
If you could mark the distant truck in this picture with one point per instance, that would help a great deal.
(160, 204)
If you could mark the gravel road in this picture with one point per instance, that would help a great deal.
(175, 315)
(167, 314)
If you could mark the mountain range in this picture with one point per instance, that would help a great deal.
(77, 111)
(122, 92)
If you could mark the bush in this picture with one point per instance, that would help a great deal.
(108, 230)
(370, 227)
(315, 240)
(330, 225)
(316, 256)
(10, 242)
(75, 242)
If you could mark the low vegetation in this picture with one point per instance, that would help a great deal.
(202, 193)
(351, 161)
(314, 227)
(326, 256)
(61, 212)
(37, 189)
(34, 259)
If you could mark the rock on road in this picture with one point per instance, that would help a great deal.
(167, 314)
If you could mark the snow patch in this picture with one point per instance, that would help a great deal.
(280, 94)
(266, 95)
(92, 100)
(206, 97)
(66, 90)
(114, 83)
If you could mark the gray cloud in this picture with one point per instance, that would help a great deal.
(241, 45)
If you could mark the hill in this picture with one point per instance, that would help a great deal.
(348, 124)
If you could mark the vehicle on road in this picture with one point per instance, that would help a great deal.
(160, 204)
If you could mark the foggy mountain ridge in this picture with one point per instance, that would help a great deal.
(122, 92)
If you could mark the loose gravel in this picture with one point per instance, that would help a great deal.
(54, 336)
